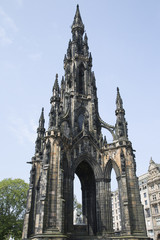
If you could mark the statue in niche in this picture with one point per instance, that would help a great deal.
(80, 121)
(81, 79)
(38, 183)
(85, 123)
(38, 145)
(47, 154)
(52, 117)
(32, 174)
(120, 129)
(65, 129)
(123, 164)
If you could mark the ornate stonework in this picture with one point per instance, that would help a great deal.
(73, 145)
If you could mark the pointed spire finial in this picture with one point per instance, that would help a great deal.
(151, 160)
(119, 101)
(85, 38)
(56, 85)
(40, 133)
(41, 120)
(77, 22)
(42, 114)
(121, 124)
(56, 91)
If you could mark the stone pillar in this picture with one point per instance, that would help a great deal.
(27, 214)
(69, 205)
(100, 206)
(43, 199)
(124, 203)
(109, 220)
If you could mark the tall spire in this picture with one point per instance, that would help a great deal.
(55, 91)
(40, 133)
(77, 23)
(40, 129)
(55, 102)
(41, 120)
(56, 85)
(121, 124)
(119, 101)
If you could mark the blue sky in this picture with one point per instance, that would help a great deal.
(124, 39)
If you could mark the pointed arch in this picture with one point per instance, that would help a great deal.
(96, 168)
(110, 199)
(111, 164)
(86, 176)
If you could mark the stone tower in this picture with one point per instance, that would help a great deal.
(73, 144)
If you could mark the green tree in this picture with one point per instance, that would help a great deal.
(13, 196)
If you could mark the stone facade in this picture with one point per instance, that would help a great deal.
(149, 187)
(73, 144)
(154, 196)
(116, 212)
(149, 184)
(144, 193)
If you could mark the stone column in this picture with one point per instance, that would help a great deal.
(69, 205)
(100, 206)
(124, 202)
(109, 220)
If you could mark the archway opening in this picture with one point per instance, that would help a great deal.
(88, 187)
(77, 202)
(115, 199)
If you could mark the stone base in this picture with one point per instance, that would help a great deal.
(48, 237)
(109, 238)
(62, 237)
(80, 233)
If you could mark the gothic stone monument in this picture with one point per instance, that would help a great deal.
(73, 144)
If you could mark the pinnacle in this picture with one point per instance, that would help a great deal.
(151, 160)
(78, 20)
(41, 121)
(119, 101)
(62, 81)
(85, 38)
(56, 86)
(42, 114)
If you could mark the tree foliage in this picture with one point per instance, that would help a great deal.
(13, 196)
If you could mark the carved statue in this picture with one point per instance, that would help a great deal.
(38, 145)
(52, 117)
(32, 174)
(47, 154)
(123, 164)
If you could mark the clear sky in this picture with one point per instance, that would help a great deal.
(124, 39)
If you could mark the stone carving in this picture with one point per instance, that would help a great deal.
(38, 145)
(52, 117)
(47, 153)
(123, 164)
(32, 174)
